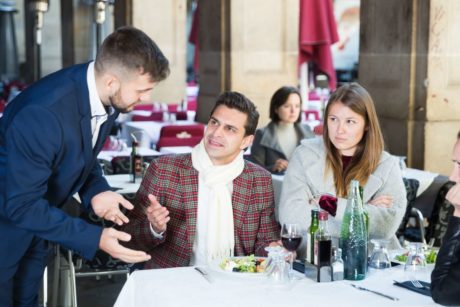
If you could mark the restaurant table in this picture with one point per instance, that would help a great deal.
(148, 132)
(186, 287)
(108, 155)
(175, 149)
(123, 183)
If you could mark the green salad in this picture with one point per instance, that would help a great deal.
(430, 256)
(249, 264)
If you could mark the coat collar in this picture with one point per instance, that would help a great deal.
(327, 184)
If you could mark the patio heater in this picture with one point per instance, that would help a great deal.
(38, 8)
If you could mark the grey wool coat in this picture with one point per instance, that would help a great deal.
(305, 178)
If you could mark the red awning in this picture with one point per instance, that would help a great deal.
(317, 32)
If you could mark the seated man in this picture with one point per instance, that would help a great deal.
(445, 279)
(193, 208)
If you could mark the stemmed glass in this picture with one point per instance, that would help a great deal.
(415, 267)
(291, 238)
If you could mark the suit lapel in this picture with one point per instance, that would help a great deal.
(189, 182)
(104, 132)
(240, 200)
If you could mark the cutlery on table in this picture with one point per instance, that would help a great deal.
(376, 292)
(204, 274)
(418, 285)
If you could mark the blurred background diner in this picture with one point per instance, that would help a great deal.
(404, 53)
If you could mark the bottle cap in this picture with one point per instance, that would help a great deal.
(323, 215)
(314, 212)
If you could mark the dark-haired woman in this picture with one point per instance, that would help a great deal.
(274, 144)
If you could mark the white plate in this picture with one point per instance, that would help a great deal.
(395, 253)
(215, 266)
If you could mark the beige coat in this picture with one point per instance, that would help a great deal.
(305, 177)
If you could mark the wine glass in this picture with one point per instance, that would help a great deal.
(415, 266)
(291, 237)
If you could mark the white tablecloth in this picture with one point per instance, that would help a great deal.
(108, 155)
(186, 287)
(123, 183)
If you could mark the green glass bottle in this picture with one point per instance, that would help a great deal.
(353, 236)
(311, 231)
(366, 214)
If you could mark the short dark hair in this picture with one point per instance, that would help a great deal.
(133, 50)
(279, 98)
(235, 100)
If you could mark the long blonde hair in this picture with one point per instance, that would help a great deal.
(369, 149)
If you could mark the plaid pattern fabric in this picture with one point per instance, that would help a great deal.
(174, 181)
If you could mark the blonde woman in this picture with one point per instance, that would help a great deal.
(351, 148)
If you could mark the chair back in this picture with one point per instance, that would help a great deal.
(195, 130)
(180, 135)
(156, 116)
(314, 113)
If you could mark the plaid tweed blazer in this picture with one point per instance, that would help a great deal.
(174, 181)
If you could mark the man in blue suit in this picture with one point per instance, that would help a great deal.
(50, 136)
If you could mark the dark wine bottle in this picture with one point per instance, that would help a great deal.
(323, 249)
(135, 163)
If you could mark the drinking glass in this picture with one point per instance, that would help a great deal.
(291, 237)
(415, 266)
(277, 268)
(379, 258)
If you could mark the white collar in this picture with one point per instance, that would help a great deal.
(97, 108)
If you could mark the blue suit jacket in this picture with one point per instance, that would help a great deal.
(46, 156)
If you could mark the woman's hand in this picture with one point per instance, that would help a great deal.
(384, 201)
(280, 165)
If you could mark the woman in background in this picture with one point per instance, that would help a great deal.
(351, 148)
(274, 144)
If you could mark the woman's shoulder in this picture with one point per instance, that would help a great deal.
(314, 144)
(388, 159)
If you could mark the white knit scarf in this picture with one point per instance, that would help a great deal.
(220, 236)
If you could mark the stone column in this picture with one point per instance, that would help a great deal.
(246, 46)
(164, 22)
(409, 59)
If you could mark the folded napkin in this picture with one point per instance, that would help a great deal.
(328, 203)
(408, 285)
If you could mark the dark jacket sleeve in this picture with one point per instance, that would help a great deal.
(445, 279)
(258, 151)
(33, 143)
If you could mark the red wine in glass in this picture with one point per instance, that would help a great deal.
(291, 242)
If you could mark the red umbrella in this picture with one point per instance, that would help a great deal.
(317, 32)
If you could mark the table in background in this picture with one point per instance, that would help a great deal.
(186, 287)
(175, 150)
(108, 155)
(123, 183)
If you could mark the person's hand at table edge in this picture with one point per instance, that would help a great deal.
(109, 244)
